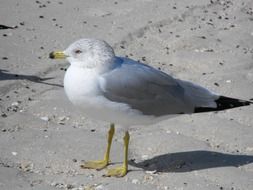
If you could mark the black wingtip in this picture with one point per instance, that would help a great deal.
(224, 103)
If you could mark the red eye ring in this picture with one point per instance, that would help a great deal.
(78, 51)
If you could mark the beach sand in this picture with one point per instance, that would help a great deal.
(43, 138)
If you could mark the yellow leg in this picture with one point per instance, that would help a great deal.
(121, 171)
(100, 164)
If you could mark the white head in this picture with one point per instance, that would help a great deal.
(87, 53)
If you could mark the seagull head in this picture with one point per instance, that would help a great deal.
(86, 53)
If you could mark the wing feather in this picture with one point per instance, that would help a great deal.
(148, 90)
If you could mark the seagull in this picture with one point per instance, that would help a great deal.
(122, 91)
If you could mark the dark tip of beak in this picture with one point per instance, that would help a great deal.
(51, 55)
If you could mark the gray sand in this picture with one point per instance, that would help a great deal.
(43, 138)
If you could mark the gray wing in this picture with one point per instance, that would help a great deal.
(148, 90)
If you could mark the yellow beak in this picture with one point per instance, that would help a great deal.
(57, 55)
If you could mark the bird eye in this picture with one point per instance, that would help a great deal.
(78, 51)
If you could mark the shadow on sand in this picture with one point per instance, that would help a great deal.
(5, 75)
(192, 160)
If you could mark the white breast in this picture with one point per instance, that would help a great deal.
(79, 84)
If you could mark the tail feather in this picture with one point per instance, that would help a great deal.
(224, 103)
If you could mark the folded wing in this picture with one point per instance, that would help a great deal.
(153, 92)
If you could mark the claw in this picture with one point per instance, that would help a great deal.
(116, 172)
(96, 164)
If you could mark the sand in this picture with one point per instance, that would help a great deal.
(43, 138)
